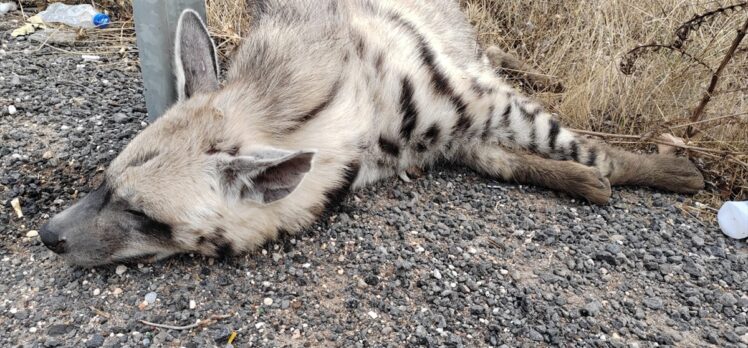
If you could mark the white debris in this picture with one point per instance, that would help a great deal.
(90, 58)
(437, 274)
(373, 314)
(12, 109)
(6, 7)
(32, 233)
(193, 304)
(16, 204)
(151, 297)
(267, 301)
(120, 270)
(97, 292)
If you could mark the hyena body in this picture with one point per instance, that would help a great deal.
(324, 96)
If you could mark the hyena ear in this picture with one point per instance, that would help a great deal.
(195, 59)
(264, 176)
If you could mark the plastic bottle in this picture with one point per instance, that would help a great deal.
(733, 219)
(79, 16)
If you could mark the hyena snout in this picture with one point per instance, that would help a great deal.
(52, 239)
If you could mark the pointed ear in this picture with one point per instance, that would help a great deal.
(195, 59)
(264, 176)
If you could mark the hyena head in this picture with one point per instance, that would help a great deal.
(173, 186)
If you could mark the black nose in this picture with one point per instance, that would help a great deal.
(52, 240)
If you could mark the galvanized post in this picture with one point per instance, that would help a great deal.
(155, 24)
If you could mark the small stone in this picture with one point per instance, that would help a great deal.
(32, 234)
(653, 303)
(193, 304)
(59, 329)
(97, 292)
(259, 325)
(151, 297)
(12, 109)
(593, 308)
(437, 274)
(697, 241)
(120, 270)
(744, 338)
(120, 117)
(116, 291)
(47, 155)
(373, 314)
(95, 341)
(55, 36)
(535, 336)
(728, 299)
(267, 301)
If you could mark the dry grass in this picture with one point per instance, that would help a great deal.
(581, 43)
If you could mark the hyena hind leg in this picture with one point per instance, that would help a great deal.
(665, 172)
(521, 167)
(515, 69)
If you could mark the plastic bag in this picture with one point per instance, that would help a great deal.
(79, 16)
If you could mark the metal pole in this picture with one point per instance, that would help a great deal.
(155, 25)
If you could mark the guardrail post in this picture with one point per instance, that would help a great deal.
(155, 24)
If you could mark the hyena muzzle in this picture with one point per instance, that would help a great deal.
(321, 97)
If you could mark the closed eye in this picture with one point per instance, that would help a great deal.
(136, 213)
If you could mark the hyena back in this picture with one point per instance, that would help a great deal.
(324, 96)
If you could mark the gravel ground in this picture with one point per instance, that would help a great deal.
(452, 259)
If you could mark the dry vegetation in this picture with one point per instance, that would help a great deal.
(583, 43)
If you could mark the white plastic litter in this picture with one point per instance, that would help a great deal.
(79, 16)
(6, 7)
(733, 219)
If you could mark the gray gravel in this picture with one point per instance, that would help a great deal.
(452, 259)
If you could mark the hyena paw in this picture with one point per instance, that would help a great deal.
(678, 174)
(593, 186)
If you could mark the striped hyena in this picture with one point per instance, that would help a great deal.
(321, 97)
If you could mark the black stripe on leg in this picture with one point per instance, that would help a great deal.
(487, 127)
(408, 109)
(336, 194)
(555, 128)
(592, 157)
(464, 122)
(389, 147)
(432, 134)
(506, 122)
(529, 116)
(574, 151)
(533, 145)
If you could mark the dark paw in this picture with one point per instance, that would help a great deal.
(678, 174)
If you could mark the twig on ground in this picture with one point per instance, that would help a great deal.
(198, 323)
(99, 312)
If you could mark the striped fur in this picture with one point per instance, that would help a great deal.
(371, 89)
